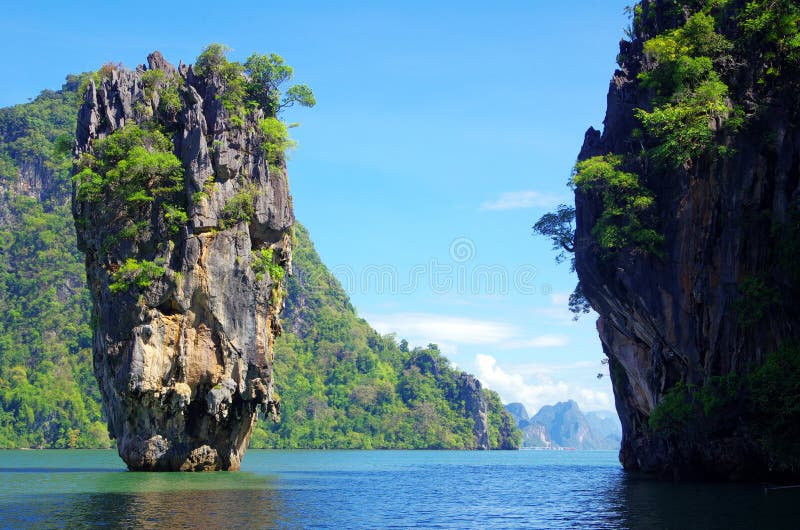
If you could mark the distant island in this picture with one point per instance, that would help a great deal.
(564, 426)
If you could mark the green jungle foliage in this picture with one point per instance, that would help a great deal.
(343, 385)
(131, 171)
(135, 273)
(755, 297)
(695, 68)
(626, 205)
(40, 132)
(48, 395)
(775, 407)
(134, 164)
(276, 140)
(238, 209)
(264, 262)
(255, 84)
(688, 90)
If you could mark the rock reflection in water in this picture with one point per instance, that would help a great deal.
(176, 509)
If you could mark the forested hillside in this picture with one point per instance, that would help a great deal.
(48, 396)
(341, 384)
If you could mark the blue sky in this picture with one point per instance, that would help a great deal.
(443, 130)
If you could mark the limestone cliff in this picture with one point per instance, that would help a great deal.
(184, 261)
(714, 295)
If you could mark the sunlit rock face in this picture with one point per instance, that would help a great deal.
(183, 349)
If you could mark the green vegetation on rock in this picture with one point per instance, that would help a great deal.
(135, 273)
(626, 204)
(129, 173)
(765, 401)
(238, 208)
(256, 83)
(266, 75)
(276, 140)
(264, 263)
(775, 407)
(688, 91)
(131, 165)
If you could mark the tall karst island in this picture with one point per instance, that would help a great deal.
(687, 237)
(182, 208)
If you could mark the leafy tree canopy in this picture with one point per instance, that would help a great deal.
(259, 81)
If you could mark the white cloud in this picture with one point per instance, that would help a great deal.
(560, 299)
(540, 370)
(542, 341)
(442, 329)
(449, 331)
(516, 200)
(513, 386)
(559, 315)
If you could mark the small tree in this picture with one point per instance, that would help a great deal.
(212, 59)
(266, 74)
(559, 226)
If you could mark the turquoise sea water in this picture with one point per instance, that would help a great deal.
(375, 489)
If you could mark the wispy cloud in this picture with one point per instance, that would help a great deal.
(540, 370)
(442, 329)
(422, 328)
(554, 315)
(516, 200)
(534, 390)
(542, 341)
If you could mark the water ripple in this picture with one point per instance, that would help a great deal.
(378, 489)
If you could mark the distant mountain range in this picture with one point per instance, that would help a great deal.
(563, 425)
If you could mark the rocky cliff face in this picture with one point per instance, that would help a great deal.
(180, 262)
(685, 315)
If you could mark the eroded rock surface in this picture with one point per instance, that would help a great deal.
(678, 317)
(184, 362)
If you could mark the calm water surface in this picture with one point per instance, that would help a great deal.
(372, 489)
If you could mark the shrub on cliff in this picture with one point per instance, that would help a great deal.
(266, 75)
(775, 407)
(688, 91)
(130, 165)
(256, 83)
(624, 221)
